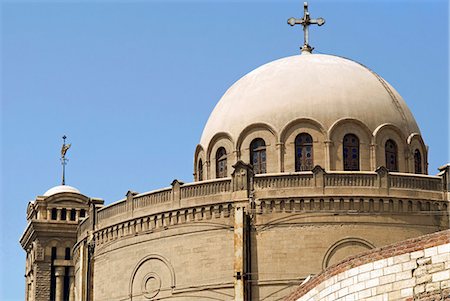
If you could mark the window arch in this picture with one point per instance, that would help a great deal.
(221, 163)
(351, 152)
(200, 170)
(417, 161)
(258, 155)
(390, 150)
(303, 152)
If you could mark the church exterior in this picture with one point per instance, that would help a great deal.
(304, 161)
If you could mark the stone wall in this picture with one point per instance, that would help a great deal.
(415, 269)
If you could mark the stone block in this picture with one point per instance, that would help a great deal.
(442, 249)
(365, 268)
(395, 295)
(434, 286)
(342, 292)
(401, 258)
(445, 284)
(423, 279)
(392, 269)
(437, 267)
(419, 289)
(424, 261)
(379, 264)
(445, 257)
(387, 279)
(376, 273)
(431, 252)
(364, 276)
(348, 282)
(403, 275)
(372, 282)
(385, 288)
(440, 276)
(407, 266)
(417, 254)
(364, 294)
(399, 285)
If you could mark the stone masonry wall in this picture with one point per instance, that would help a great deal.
(42, 288)
(415, 269)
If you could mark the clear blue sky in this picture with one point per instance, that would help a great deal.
(132, 85)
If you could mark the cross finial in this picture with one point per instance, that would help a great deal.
(305, 22)
(64, 149)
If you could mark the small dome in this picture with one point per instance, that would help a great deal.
(321, 87)
(61, 189)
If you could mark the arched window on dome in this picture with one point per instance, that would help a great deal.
(390, 150)
(200, 170)
(258, 155)
(221, 163)
(303, 152)
(351, 152)
(417, 161)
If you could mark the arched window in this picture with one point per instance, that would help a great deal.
(417, 161)
(221, 163)
(63, 214)
(258, 155)
(73, 214)
(303, 152)
(390, 150)
(200, 170)
(54, 214)
(351, 152)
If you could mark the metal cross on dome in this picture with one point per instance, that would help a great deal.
(305, 22)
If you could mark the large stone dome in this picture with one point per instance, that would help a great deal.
(321, 87)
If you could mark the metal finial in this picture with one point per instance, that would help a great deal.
(64, 149)
(305, 22)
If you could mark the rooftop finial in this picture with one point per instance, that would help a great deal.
(305, 22)
(64, 149)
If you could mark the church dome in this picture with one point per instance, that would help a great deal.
(308, 110)
(322, 87)
(61, 189)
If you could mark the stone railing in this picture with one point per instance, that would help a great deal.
(379, 183)
(410, 181)
(264, 181)
(372, 187)
(153, 198)
(205, 188)
(117, 208)
(351, 179)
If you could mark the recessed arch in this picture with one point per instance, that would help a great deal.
(214, 139)
(348, 241)
(252, 128)
(144, 260)
(338, 123)
(298, 122)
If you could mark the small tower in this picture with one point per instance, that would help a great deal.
(48, 240)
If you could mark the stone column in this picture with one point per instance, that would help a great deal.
(239, 254)
(49, 214)
(77, 214)
(373, 156)
(58, 214)
(59, 290)
(71, 284)
(328, 144)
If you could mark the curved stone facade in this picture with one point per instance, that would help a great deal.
(198, 241)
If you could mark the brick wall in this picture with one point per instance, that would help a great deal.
(415, 269)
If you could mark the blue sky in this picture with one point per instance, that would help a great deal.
(132, 84)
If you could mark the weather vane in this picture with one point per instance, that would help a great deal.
(64, 149)
(305, 22)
